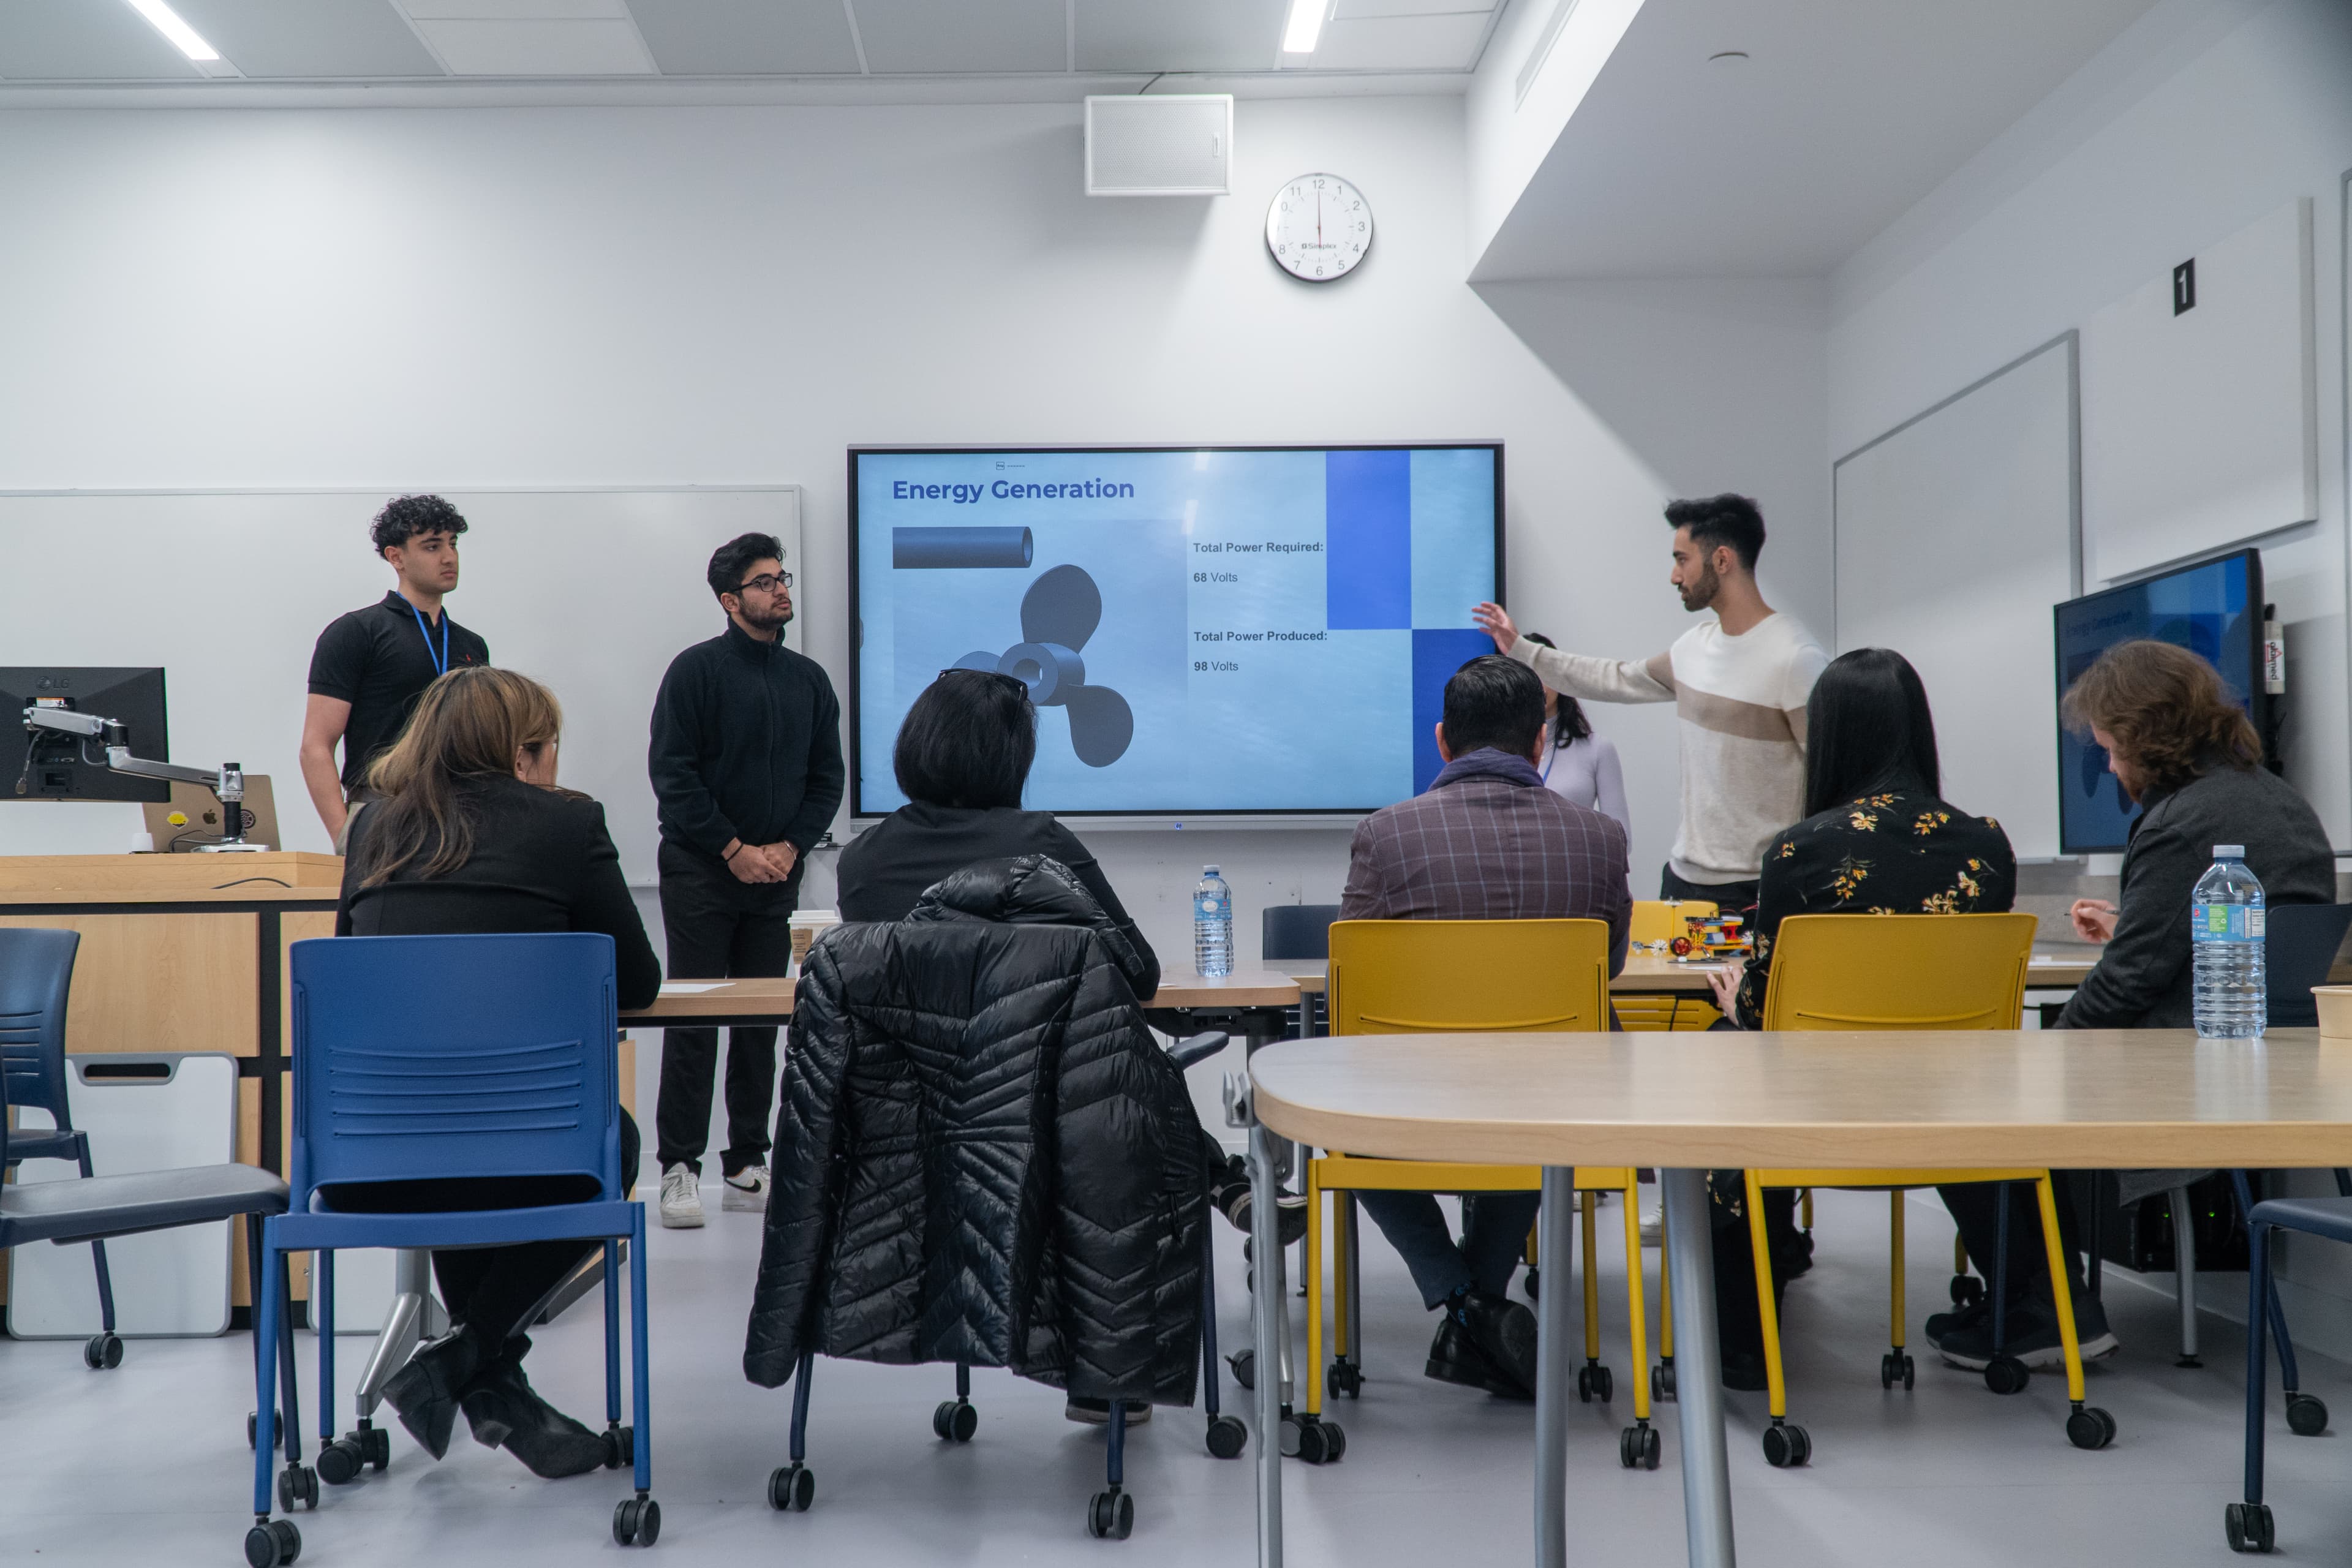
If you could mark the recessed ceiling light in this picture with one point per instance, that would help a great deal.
(168, 22)
(1300, 34)
(1722, 55)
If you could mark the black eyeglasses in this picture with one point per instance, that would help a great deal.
(1014, 682)
(766, 582)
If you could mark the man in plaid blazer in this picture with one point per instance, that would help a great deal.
(1488, 841)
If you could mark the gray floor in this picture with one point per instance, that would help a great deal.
(147, 1463)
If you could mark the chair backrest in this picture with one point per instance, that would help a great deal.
(2299, 947)
(418, 1057)
(1661, 920)
(1899, 972)
(36, 978)
(1297, 931)
(1409, 977)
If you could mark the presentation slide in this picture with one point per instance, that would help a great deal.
(1224, 629)
(2211, 610)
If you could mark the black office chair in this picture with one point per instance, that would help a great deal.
(1299, 930)
(36, 977)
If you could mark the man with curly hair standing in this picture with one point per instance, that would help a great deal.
(371, 666)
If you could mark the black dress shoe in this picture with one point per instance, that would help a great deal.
(425, 1393)
(1505, 1333)
(507, 1413)
(1453, 1358)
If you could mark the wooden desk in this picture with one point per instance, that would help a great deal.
(731, 1002)
(1245, 988)
(1686, 1102)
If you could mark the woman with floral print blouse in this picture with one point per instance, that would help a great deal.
(1878, 841)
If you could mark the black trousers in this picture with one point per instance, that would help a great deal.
(1731, 898)
(719, 929)
(496, 1290)
(1976, 1210)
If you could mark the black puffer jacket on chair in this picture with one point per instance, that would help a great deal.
(981, 1153)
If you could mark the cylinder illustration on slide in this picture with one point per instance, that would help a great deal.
(946, 549)
(1058, 614)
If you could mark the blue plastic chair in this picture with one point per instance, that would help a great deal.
(36, 978)
(434, 1058)
(2247, 1525)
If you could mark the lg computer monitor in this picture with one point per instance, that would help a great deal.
(2214, 609)
(50, 766)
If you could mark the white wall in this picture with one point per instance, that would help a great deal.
(2198, 121)
(459, 297)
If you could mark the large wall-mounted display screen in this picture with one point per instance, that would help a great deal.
(1224, 629)
(2214, 609)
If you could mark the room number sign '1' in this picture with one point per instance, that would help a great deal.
(1318, 228)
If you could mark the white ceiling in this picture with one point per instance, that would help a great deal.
(105, 42)
(1844, 114)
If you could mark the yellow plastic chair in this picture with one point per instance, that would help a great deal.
(1661, 920)
(1392, 977)
(1904, 972)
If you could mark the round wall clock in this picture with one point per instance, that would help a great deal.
(1318, 228)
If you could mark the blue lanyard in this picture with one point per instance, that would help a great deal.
(441, 664)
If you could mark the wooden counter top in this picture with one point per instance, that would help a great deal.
(276, 875)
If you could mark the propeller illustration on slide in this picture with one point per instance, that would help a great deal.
(1058, 614)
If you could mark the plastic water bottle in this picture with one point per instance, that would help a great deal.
(2225, 937)
(1212, 924)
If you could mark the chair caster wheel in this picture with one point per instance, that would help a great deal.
(340, 1461)
(272, 1543)
(1967, 1289)
(1895, 1367)
(1661, 1382)
(955, 1421)
(1227, 1438)
(1593, 1382)
(1245, 1367)
(1637, 1447)
(2090, 1427)
(1535, 1284)
(637, 1521)
(298, 1483)
(1111, 1516)
(376, 1445)
(1343, 1379)
(2305, 1416)
(1312, 1441)
(102, 1352)
(620, 1446)
(2247, 1524)
(1786, 1445)
(2007, 1374)
(792, 1489)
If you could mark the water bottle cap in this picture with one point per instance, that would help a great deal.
(2229, 852)
(1211, 871)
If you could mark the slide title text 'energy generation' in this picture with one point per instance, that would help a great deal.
(1008, 489)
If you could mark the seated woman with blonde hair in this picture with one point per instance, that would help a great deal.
(471, 834)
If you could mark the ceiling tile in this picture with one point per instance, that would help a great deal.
(1193, 35)
(747, 38)
(309, 38)
(538, 49)
(963, 36)
(49, 40)
(1357, 10)
(1400, 44)
(517, 10)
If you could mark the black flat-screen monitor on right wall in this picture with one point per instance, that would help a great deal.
(2214, 609)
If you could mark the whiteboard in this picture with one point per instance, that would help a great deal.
(1955, 534)
(2201, 426)
(592, 591)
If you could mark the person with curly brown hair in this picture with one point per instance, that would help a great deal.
(2182, 748)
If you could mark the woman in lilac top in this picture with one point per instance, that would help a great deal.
(1579, 766)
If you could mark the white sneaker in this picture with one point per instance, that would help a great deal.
(1654, 1227)
(747, 1191)
(681, 1198)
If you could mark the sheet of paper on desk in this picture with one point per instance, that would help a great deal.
(689, 987)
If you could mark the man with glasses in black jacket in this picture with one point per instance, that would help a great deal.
(747, 771)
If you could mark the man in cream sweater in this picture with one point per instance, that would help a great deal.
(1739, 683)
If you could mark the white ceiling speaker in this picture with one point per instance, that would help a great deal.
(1176, 145)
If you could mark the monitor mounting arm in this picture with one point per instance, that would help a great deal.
(227, 782)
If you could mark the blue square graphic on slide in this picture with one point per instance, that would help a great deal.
(1436, 655)
(1368, 541)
